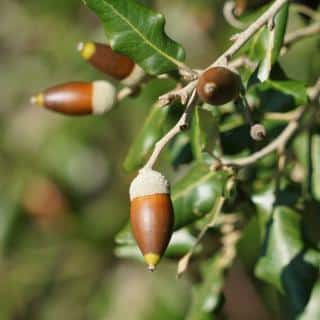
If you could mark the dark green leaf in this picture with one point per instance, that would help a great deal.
(294, 89)
(283, 264)
(236, 140)
(315, 158)
(145, 140)
(272, 42)
(284, 242)
(198, 138)
(312, 310)
(206, 297)
(195, 194)
(307, 150)
(10, 216)
(180, 150)
(249, 245)
(138, 32)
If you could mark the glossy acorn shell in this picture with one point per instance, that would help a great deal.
(152, 221)
(74, 98)
(227, 85)
(113, 64)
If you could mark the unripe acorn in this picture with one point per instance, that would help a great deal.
(116, 65)
(151, 214)
(219, 85)
(78, 98)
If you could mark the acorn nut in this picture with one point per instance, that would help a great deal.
(117, 66)
(219, 85)
(151, 214)
(78, 98)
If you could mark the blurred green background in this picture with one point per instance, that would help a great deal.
(63, 189)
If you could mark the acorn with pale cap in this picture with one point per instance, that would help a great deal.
(115, 65)
(151, 214)
(78, 98)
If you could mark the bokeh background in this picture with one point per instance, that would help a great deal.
(63, 189)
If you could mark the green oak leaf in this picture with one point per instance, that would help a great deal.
(138, 32)
(312, 310)
(198, 137)
(195, 194)
(272, 42)
(10, 216)
(284, 264)
(150, 133)
(206, 297)
(296, 90)
(315, 159)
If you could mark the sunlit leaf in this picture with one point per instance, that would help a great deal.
(312, 310)
(283, 264)
(151, 131)
(138, 32)
(198, 138)
(272, 42)
(206, 297)
(194, 195)
(315, 156)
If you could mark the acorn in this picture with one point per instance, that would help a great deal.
(44, 201)
(151, 214)
(118, 66)
(219, 85)
(78, 98)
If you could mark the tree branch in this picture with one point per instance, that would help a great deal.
(190, 89)
(240, 40)
(244, 36)
(281, 141)
(313, 29)
(182, 124)
(228, 12)
(306, 11)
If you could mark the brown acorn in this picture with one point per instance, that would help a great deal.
(151, 214)
(116, 65)
(43, 200)
(78, 98)
(219, 85)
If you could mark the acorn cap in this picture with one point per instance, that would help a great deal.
(148, 182)
(103, 96)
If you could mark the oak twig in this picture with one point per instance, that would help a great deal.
(306, 11)
(182, 124)
(240, 40)
(190, 89)
(228, 12)
(311, 30)
(281, 141)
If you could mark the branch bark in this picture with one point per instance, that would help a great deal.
(182, 124)
(281, 141)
